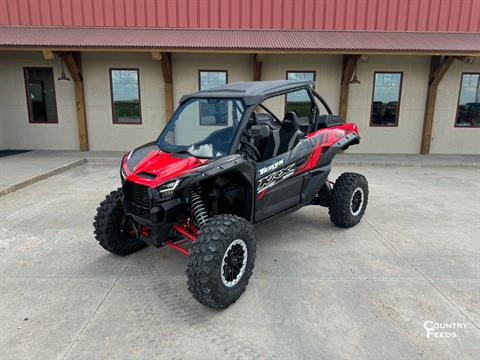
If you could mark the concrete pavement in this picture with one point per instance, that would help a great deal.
(318, 292)
(24, 169)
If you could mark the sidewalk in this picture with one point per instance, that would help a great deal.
(18, 171)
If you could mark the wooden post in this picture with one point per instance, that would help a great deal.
(73, 62)
(438, 68)
(166, 63)
(257, 67)
(349, 64)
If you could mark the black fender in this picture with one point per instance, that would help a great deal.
(342, 144)
(224, 166)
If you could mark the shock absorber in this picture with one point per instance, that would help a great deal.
(199, 212)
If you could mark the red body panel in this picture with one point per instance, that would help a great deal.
(164, 166)
(324, 138)
(334, 133)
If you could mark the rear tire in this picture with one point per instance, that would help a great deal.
(110, 230)
(221, 261)
(348, 199)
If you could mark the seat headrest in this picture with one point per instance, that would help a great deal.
(290, 121)
(263, 119)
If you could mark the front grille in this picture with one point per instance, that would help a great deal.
(137, 199)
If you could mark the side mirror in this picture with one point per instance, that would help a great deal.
(258, 132)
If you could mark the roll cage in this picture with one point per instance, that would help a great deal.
(253, 94)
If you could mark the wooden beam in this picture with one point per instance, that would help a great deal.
(438, 69)
(156, 55)
(166, 63)
(257, 67)
(466, 59)
(48, 54)
(73, 63)
(348, 67)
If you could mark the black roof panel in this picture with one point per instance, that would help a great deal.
(251, 91)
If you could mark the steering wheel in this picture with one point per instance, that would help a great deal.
(252, 147)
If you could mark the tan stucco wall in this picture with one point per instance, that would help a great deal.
(406, 137)
(103, 133)
(17, 132)
(328, 71)
(446, 138)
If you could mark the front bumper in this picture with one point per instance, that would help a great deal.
(155, 223)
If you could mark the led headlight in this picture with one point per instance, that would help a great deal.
(166, 190)
(123, 175)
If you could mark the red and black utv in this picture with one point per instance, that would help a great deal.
(224, 162)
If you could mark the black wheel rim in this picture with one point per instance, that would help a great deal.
(234, 263)
(356, 201)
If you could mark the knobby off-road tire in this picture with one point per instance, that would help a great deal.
(109, 229)
(221, 242)
(348, 200)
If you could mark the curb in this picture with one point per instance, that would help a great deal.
(43, 176)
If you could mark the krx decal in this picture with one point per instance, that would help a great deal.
(275, 177)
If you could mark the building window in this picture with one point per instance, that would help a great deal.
(387, 89)
(299, 101)
(125, 88)
(208, 79)
(214, 114)
(468, 111)
(301, 75)
(41, 101)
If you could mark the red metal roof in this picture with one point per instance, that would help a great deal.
(269, 40)
(383, 15)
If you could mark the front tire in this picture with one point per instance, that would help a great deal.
(348, 199)
(221, 261)
(111, 230)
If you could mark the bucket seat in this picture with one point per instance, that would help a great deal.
(290, 133)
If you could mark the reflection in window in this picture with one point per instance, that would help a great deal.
(217, 114)
(42, 105)
(210, 79)
(125, 96)
(301, 75)
(468, 112)
(213, 113)
(386, 98)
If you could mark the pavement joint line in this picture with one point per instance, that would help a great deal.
(261, 277)
(84, 327)
(423, 275)
(55, 277)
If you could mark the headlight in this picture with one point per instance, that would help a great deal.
(123, 174)
(166, 190)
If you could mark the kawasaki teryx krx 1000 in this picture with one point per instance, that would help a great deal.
(224, 162)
